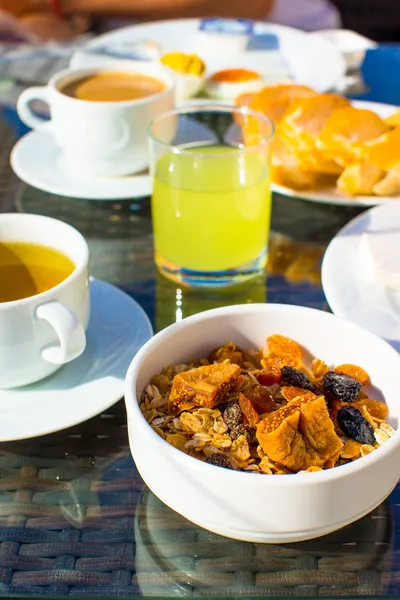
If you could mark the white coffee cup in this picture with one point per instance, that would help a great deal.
(100, 138)
(40, 333)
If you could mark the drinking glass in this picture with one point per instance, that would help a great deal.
(211, 202)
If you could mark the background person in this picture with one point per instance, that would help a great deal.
(63, 19)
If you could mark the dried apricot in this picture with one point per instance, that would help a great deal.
(248, 410)
(204, 386)
(355, 372)
(375, 408)
(279, 361)
(283, 346)
(291, 392)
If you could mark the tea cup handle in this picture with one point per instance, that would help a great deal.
(24, 111)
(69, 331)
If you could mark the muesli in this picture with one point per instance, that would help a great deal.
(269, 411)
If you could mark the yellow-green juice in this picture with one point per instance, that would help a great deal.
(211, 209)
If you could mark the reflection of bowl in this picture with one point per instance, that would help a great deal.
(176, 558)
(260, 508)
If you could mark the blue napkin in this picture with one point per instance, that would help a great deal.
(381, 74)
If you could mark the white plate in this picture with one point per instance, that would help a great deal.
(308, 60)
(330, 195)
(90, 384)
(37, 160)
(348, 292)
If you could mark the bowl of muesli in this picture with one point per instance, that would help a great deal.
(266, 422)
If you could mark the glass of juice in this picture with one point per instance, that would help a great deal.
(211, 202)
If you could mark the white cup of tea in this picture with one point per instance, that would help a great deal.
(44, 297)
(100, 116)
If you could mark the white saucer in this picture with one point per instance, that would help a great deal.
(90, 384)
(348, 290)
(38, 161)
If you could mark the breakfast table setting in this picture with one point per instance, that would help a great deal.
(139, 430)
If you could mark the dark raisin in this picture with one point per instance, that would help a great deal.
(355, 426)
(246, 430)
(231, 414)
(342, 387)
(219, 460)
(293, 377)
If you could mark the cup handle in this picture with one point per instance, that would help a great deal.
(24, 111)
(69, 331)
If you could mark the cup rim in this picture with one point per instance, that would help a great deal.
(168, 81)
(79, 268)
(218, 108)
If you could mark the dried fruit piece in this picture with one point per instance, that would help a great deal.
(355, 426)
(277, 361)
(291, 393)
(269, 375)
(366, 449)
(341, 387)
(295, 378)
(248, 410)
(355, 372)
(219, 460)
(204, 386)
(300, 435)
(331, 462)
(260, 399)
(231, 414)
(283, 346)
(376, 409)
(246, 430)
(319, 368)
(351, 449)
(229, 352)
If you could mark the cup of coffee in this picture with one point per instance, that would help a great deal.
(44, 297)
(100, 117)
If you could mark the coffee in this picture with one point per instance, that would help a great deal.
(28, 269)
(113, 87)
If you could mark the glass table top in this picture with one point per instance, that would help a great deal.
(75, 517)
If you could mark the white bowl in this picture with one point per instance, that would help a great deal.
(262, 508)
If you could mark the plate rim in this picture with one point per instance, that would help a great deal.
(30, 179)
(329, 260)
